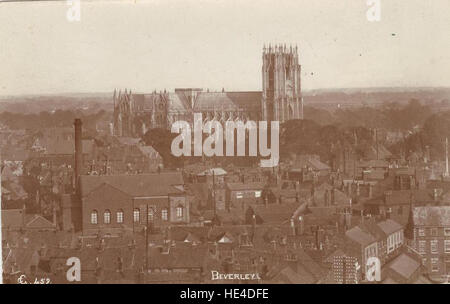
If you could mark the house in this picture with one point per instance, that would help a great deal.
(326, 200)
(404, 269)
(241, 194)
(397, 203)
(389, 235)
(17, 220)
(431, 237)
(131, 202)
(272, 214)
(308, 167)
(214, 178)
(361, 245)
(178, 259)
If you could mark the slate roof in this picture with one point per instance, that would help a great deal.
(245, 186)
(309, 162)
(275, 213)
(38, 222)
(288, 276)
(404, 265)
(389, 226)
(138, 185)
(432, 216)
(361, 237)
(179, 256)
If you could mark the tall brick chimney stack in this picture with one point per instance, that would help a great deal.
(78, 152)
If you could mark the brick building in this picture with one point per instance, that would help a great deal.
(129, 202)
(431, 237)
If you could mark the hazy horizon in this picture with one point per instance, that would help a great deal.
(157, 45)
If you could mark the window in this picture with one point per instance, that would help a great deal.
(421, 232)
(239, 195)
(120, 216)
(94, 217)
(107, 217)
(422, 245)
(257, 194)
(434, 264)
(151, 214)
(433, 231)
(434, 246)
(164, 214)
(179, 211)
(447, 246)
(424, 261)
(136, 215)
(447, 231)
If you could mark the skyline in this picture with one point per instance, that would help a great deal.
(139, 46)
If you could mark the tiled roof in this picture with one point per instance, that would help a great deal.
(179, 256)
(275, 213)
(39, 222)
(245, 186)
(309, 162)
(288, 276)
(138, 185)
(389, 226)
(361, 237)
(404, 265)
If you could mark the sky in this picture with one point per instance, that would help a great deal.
(164, 44)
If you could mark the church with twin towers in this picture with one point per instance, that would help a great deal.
(280, 99)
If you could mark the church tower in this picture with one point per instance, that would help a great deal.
(281, 89)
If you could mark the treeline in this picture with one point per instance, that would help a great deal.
(390, 115)
(308, 137)
(58, 118)
(432, 134)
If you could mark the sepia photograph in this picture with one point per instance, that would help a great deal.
(211, 142)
